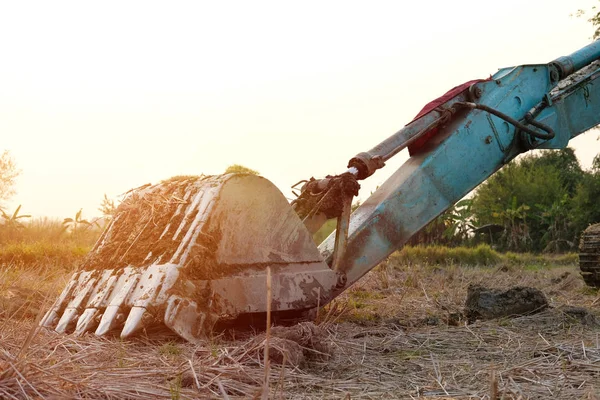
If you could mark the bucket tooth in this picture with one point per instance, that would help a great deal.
(87, 321)
(109, 320)
(134, 322)
(186, 319)
(66, 321)
(50, 319)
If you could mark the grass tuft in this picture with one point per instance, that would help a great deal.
(482, 255)
(170, 349)
(62, 254)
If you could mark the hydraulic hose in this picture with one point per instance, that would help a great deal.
(528, 118)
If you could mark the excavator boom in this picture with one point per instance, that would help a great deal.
(194, 252)
(480, 128)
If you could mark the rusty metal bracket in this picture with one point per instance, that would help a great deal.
(341, 233)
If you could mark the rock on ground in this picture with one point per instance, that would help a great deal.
(296, 343)
(484, 303)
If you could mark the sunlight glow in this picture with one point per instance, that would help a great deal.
(101, 97)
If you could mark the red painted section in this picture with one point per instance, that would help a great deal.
(455, 91)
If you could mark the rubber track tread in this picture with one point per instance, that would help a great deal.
(589, 256)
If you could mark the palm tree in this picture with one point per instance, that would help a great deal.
(12, 221)
(78, 223)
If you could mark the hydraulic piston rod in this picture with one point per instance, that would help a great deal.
(566, 65)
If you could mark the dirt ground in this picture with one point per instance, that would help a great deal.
(399, 333)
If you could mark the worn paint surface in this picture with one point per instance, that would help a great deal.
(215, 248)
(467, 150)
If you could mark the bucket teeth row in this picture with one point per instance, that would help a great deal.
(135, 292)
(104, 301)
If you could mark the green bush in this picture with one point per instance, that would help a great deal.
(482, 255)
(61, 254)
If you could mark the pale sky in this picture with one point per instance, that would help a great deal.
(101, 97)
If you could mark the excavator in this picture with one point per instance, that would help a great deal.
(198, 253)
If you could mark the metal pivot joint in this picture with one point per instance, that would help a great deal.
(325, 196)
(328, 198)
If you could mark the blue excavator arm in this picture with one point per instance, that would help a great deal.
(194, 253)
(461, 142)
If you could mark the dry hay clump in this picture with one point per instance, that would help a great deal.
(144, 224)
(164, 367)
(554, 353)
(295, 344)
(551, 354)
(17, 302)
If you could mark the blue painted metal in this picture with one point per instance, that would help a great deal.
(575, 108)
(467, 151)
(579, 59)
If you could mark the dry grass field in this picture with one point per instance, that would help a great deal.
(399, 333)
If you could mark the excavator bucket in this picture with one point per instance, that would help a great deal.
(192, 252)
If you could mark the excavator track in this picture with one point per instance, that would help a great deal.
(589, 256)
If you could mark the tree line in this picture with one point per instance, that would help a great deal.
(540, 202)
